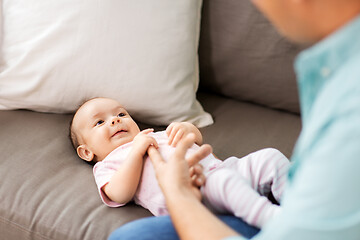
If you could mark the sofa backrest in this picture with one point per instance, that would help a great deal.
(242, 56)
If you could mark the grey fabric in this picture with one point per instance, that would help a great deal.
(243, 57)
(48, 193)
(241, 128)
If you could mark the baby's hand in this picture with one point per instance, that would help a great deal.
(143, 141)
(179, 130)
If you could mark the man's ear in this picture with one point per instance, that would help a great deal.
(85, 153)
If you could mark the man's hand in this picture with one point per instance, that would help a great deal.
(180, 175)
(179, 130)
(193, 220)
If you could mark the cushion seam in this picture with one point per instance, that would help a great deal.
(23, 228)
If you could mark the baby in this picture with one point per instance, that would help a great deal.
(103, 132)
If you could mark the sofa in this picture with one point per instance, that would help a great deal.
(247, 83)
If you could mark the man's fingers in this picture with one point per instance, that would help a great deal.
(198, 180)
(197, 176)
(196, 169)
(183, 146)
(200, 154)
(155, 157)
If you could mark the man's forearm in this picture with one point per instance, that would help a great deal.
(193, 220)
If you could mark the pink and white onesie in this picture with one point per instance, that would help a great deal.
(237, 186)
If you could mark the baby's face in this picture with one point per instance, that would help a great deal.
(102, 125)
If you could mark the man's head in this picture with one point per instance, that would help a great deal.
(99, 126)
(308, 21)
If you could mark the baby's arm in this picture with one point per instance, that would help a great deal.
(124, 182)
(178, 130)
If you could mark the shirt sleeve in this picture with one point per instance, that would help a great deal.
(103, 173)
(322, 199)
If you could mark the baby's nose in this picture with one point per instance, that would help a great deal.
(115, 121)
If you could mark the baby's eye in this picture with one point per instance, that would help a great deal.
(99, 122)
(121, 115)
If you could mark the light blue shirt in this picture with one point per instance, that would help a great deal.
(322, 201)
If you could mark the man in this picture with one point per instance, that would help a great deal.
(322, 198)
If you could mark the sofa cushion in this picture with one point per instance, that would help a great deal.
(241, 128)
(243, 57)
(47, 192)
(56, 54)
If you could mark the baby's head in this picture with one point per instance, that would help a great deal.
(99, 126)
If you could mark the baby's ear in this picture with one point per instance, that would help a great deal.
(85, 153)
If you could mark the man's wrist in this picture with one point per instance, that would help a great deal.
(176, 195)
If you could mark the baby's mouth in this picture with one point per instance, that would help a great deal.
(119, 133)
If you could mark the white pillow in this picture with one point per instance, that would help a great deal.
(56, 54)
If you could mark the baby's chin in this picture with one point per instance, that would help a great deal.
(116, 142)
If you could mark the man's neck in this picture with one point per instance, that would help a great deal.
(336, 17)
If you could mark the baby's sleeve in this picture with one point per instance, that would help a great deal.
(103, 173)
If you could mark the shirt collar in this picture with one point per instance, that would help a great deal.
(327, 55)
(319, 62)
